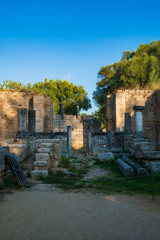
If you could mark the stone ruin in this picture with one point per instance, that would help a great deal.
(28, 125)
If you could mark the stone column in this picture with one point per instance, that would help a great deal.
(109, 140)
(31, 121)
(77, 111)
(62, 111)
(138, 119)
(90, 143)
(119, 111)
(128, 126)
(22, 120)
(69, 143)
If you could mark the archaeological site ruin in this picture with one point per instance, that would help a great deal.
(28, 125)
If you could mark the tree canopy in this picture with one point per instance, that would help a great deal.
(136, 70)
(59, 91)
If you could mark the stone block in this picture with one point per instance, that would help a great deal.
(42, 156)
(144, 146)
(56, 151)
(41, 163)
(152, 155)
(44, 145)
(21, 150)
(104, 157)
(43, 150)
(48, 141)
(155, 168)
(32, 146)
(37, 173)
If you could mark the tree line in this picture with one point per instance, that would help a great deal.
(138, 69)
(59, 91)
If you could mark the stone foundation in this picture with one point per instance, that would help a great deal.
(20, 147)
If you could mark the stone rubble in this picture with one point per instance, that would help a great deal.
(105, 157)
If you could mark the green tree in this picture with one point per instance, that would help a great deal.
(64, 92)
(59, 91)
(9, 84)
(137, 69)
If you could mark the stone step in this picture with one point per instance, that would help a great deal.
(152, 155)
(44, 145)
(48, 141)
(36, 173)
(140, 140)
(43, 150)
(42, 156)
(144, 146)
(41, 163)
(151, 147)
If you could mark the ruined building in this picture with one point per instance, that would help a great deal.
(12, 100)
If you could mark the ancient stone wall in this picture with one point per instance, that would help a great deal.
(123, 101)
(12, 100)
(79, 128)
(151, 119)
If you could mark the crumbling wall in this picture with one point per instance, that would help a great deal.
(76, 124)
(11, 100)
(123, 101)
(79, 128)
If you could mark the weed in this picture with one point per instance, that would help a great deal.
(64, 163)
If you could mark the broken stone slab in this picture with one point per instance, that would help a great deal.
(127, 170)
(37, 173)
(42, 156)
(155, 167)
(104, 157)
(138, 169)
(48, 141)
(43, 150)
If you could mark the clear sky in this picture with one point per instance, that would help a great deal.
(71, 40)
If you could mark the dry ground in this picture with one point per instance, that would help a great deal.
(44, 212)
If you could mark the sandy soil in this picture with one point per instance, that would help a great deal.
(47, 213)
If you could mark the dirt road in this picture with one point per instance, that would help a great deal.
(47, 213)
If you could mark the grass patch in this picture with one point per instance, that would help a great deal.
(114, 183)
(64, 163)
(111, 166)
(63, 181)
(137, 185)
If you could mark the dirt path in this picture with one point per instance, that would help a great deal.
(47, 213)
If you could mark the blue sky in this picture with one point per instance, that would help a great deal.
(71, 40)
